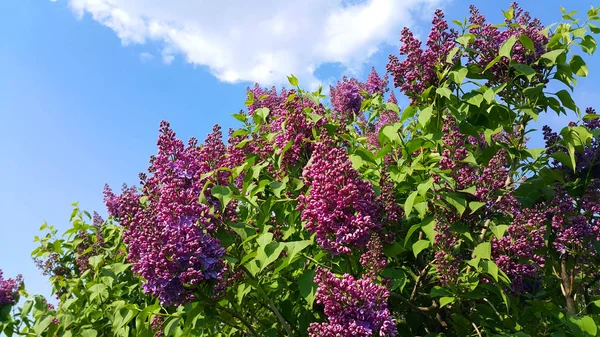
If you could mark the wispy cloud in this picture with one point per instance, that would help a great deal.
(146, 57)
(263, 40)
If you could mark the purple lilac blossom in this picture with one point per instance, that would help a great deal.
(418, 71)
(9, 289)
(489, 38)
(170, 237)
(340, 207)
(354, 308)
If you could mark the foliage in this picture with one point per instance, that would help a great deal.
(358, 219)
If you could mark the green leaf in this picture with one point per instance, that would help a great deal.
(140, 320)
(489, 267)
(551, 56)
(240, 132)
(499, 230)
(425, 186)
(293, 80)
(457, 201)
(535, 153)
(471, 190)
(410, 232)
(268, 254)
(588, 44)
(525, 70)
(391, 132)
(241, 117)
(408, 205)
(98, 290)
(171, 326)
(307, 286)
(96, 261)
(458, 76)
(474, 99)
(223, 193)
(26, 308)
(566, 100)
(392, 107)
(425, 115)
(89, 333)
(393, 249)
(507, 46)
(483, 250)
(444, 91)
(578, 66)
(295, 247)
(444, 301)
(526, 42)
(397, 276)
(119, 268)
(438, 291)
(489, 95)
(509, 14)
(465, 39)
(123, 317)
(451, 54)
(409, 112)
(250, 99)
(475, 205)
(260, 115)
(264, 239)
(583, 326)
(564, 159)
(418, 246)
(40, 326)
(492, 63)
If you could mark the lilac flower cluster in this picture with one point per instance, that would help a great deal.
(515, 253)
(157, 326)
(418, 71)
(447, 264)
(9, 289)
(90, 244)
(340, 207)
(576, 229)
(454, 153)
(588, 159)
(392, 209)
(293, 126)
(375, 85)
(346, 98)
(169, 236)
(373, 259)
(289, 121)
(489, 38)
(385, 117)
(492, 180)
(354, 308)
(51, 266)
(266, 98)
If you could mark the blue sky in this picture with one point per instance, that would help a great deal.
(85, 83)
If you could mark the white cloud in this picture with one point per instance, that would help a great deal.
(146, 57)
(263, 40)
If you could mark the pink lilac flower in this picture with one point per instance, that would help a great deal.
(447, 263)
(354, 308)
(489, 38)
(340, 207)
(170, 236)
(9, 289)
(374, 84)
(346, 98)
(515, 252)
(373, 259)
(418, 71)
